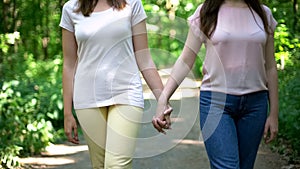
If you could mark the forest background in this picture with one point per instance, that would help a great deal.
(31, 108)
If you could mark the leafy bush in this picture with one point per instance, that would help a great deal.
(286, 46)
(23, 130)
(30, 106)
(287, 55)
(289, 116)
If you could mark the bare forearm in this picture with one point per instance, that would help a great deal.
(153, 80)
(68, 90)
(182, 66)
(70, 60)
(273, 91)
(180, 70)
(149, 72)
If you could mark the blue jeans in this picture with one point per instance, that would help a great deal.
(232, 127)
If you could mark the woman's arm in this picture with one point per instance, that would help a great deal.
(271, 126)
(69, 46)
(181, 68)
(147, 66)
(144, 60)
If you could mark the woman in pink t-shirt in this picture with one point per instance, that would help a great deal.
(239, 84)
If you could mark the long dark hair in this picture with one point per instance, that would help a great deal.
(210, 9)
(86, 7)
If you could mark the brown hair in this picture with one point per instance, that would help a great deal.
(210, 9)
(86, 7)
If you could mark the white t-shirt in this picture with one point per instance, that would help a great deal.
(237, 55)
(107, 72)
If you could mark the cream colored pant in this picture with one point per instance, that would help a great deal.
(111, 133)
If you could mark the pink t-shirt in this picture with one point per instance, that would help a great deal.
(237, 57)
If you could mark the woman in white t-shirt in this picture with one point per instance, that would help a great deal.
(239, 84)
(105, 48)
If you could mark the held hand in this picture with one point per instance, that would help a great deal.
(271, 129)
(70, 126)
(162, 118)
(167, 114)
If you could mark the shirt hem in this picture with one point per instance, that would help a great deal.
(78, 107)
(235, 93)
(66, 27)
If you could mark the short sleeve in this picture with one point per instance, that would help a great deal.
(194, 22)
(272, 23)
(66, 20)
(138, 12)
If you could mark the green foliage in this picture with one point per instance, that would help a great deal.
(8, 39)
(167, 30)
(19, 129)
(289, 116)
(37, 22)
(8, 156)
(286, 46)
(30, 104)
(166, 36)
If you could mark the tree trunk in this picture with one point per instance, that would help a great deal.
(46, 37)
(295, 10)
